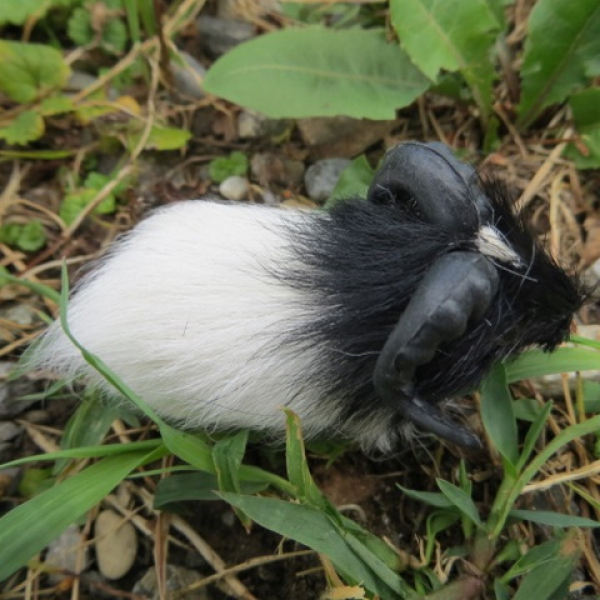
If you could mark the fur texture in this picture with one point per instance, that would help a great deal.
(218, 315)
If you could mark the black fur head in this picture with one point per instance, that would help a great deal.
(361, 263)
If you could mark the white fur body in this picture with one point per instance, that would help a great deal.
(184, 310)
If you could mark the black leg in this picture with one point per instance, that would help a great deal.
(456, 290)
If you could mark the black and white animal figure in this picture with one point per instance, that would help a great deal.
(359, 319)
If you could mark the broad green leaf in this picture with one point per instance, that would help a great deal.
(454, 35)
(194, 487)
(37, 154)
(314, 529)
(460, 500)
(431, 498)
(160, 137)
(188, 447)
(56, 105)
(27, 529)
(561, 53)
(27, 127)
(536, 363)
(16, 12)
(28, 69)
(353, 182)
(318, 72)
(554, 519)
(498, 415)
(586, 114)
(546, 579)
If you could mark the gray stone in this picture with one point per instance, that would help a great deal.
(218, 35)
(37, 416)
(5, 451)
(268, 169)
(177, 578)
(21, 314)
(341, 136)
(10, 392)
(9, 480)
(188, 78)
(321, 178)
(63, 554)
(116, 544)
(234, 188)
(9, 430)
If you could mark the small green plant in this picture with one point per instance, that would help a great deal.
(223, 167)
(28, 237)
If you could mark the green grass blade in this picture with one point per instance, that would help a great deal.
(93, 360)
(38, 288)
(297, 467)
(432, 498)
(533, 434)
(554, 519)
(27, 529)
(536, 363)
(497, 413)
(89, 452)
(133, 19)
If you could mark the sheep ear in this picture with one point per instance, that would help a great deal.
(443, 189)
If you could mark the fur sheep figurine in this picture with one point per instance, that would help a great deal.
(360, 319)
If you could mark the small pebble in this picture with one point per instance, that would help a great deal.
(234, 188)
(188, 78)
(269, 168)
(37, 416)
(10, 391)
(217, 36)
(8, 431)
(9, 480)
(177, 578)
(321, 178)
(116, 544)
(63, 554)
